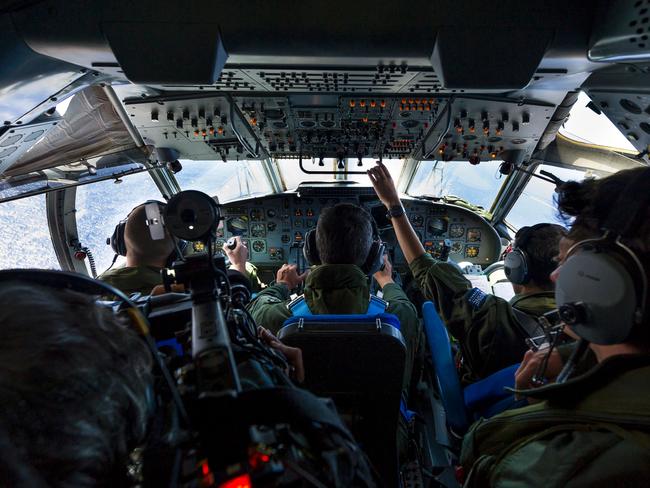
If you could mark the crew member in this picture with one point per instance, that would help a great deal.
(491, 331)
(145, 257)
(590, 429)
(74, 390)
(344, 237)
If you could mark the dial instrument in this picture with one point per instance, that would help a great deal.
(471, 251)
(271, 226)
(258, 230)
(257, 214)
(437, 226)
(237, 226)
(457, 247)
(270, 213)
(456, 231)
(417, 220)
(259, 246)
(473, 235)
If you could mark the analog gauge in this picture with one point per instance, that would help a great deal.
(259, 246)
(271, 226)
(270, 213)
(258, 230)
(471, 251)
(198, 246)
(257, 214)
(417, 220)
(437, 226)
(457, 248)
(456, 231)
(473, 235)
(237, 226)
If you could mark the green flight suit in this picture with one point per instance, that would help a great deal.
(593, 430)
(132, 279)
(339, 289)
(489, 335)
(142, 279)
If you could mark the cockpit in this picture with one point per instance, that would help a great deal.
(479, 114)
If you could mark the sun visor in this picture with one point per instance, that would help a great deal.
(159, 53)
(91, 127)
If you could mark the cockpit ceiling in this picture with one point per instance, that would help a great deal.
(223, 80)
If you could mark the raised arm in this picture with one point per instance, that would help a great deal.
(387, 193)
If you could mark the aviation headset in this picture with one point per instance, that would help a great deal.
(517, 263)
(602, 287)
(118, 242)
(374, 261)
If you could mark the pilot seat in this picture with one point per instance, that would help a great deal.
(358, 361)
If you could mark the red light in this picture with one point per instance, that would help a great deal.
(205, 469)
(242, 481)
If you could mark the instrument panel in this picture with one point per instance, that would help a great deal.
(273, 228)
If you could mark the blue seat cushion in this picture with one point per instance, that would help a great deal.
(490, 390)
(386, 318)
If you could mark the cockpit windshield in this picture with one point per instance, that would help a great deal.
(228, 181)
(293, 175)
(477, 184)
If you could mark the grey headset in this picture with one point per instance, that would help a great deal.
(602, 288)
(517, 263)
(374, 261)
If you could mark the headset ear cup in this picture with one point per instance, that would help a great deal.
(375, 259)
(309, 249)
(515, 266)
(601, 288)
(117, 239)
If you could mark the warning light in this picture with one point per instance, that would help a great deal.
(196, 132)
(382, 104)
(205, 469)
(352, 103)
(253, 121)
(204, 132)
(373, 104)
(243, 481)
(362, 103)
(220, 130)
(365, 120)
(211, 131)
(403, 101)
(411, 101)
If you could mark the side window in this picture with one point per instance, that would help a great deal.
(537, 202)
(24, 236)
(100, 207)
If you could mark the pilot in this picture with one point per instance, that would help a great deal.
(343, 239)
(589, 429)
(491, 331)
(74, 390)
(145, 256)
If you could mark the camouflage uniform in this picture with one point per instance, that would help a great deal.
(593, 430)
(489, 335)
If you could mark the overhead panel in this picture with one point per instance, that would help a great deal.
(622, 32)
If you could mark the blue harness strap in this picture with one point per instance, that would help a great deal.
(299, 306)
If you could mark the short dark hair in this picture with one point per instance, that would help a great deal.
(344, 235)
(73, 387)
(541, 244)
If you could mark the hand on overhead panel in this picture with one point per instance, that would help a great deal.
(237, 256)
(384, 185)
(385, 275)
(288, 275)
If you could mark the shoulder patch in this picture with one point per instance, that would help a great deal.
(476, 298)
(273, 300)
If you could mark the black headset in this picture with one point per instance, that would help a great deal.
(602, 287)
(118, 243)
(517, 264)
(374, 261)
